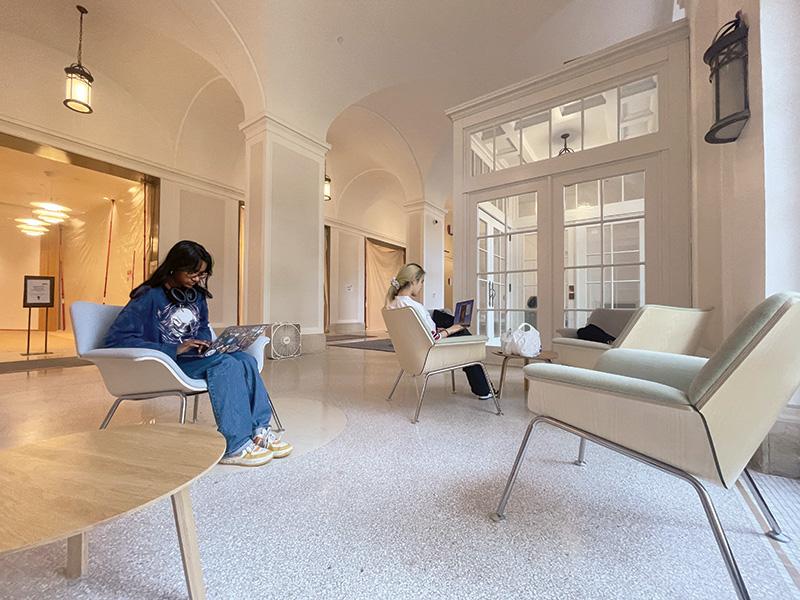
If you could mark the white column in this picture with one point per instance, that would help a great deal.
(425, 246)
(257, 223)
(285, 235)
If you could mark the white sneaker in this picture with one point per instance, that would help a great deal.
(268, 439)
(251, 455)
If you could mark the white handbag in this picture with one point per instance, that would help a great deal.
(524, 341)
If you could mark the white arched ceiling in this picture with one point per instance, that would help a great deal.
(417, 108)
(362, 140)
(373, 202)
(209, 140)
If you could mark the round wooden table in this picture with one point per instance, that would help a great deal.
(543, 356)
(62, 487)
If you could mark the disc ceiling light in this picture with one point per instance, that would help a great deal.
(78, 96)
(51, 207)
(50, 216)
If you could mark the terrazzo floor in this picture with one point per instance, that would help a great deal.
(387, 509)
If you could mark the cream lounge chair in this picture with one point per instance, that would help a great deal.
(140, 373)
(422, 356)
(651, 327)
(690, 417)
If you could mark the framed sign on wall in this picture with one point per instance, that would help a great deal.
(39, 292)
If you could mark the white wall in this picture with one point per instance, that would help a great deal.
(19, 256)
(780, 49)
(728, 180)
(213, 221)
(347, 280)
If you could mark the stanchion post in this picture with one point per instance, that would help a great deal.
(28, 347)
(46, 326)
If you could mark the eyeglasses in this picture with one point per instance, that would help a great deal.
(200, 276)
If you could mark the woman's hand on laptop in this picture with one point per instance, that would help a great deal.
(200, 345)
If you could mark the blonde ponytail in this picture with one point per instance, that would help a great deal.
(409, 274)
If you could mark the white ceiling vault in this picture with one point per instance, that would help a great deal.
(307, 61)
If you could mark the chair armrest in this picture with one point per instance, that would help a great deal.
(567, 341)
(567, 332)
(256, 350)
(462, 339)
(675, 370)
(610, 383)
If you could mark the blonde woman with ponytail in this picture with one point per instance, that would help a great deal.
(405, 290)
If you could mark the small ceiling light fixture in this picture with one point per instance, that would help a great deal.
(727, 57)
(49, 216)
(51, 206)
(326, 189)
(566, 149)
(78, 96)
(30, 223)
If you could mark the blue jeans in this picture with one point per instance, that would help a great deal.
(238, 396)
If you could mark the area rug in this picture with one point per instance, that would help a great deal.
(384, 345)
(21, 366)
(347, 336)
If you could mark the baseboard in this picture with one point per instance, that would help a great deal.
(346, 327)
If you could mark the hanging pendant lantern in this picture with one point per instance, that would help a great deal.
(727, 57)
(566, 149)
(78, 95)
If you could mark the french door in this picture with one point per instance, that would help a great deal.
(606, 232)
(509, 272)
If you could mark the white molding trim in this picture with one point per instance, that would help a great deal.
(49, 137)
(613, 54)
(425, 206)
(266, 122)
(334, 223)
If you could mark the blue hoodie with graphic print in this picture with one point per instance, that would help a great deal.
(151, 320)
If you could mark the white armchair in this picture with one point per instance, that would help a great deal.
(691, 417)
(139, 373)
(422, 356)
(651, 327)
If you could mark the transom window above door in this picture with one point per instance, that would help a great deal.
(623, 112)
(507, 264)
(604, 249)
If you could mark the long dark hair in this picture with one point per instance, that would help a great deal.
(184, 256)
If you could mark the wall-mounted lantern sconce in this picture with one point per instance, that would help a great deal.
(326, 189)
(727, 57)
(78, 96)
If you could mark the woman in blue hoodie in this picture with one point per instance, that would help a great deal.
(169, 313)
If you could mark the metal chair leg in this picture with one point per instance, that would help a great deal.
(394, 387)
(111, 412)
(491, 389)
(503, 368)
(719, 534)
(500, 513)
(581, 454)
(775, 531)
(275, 416)
(705, 499)
(184, 401)
(196, 406)
(452, 382)
(421, 398)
